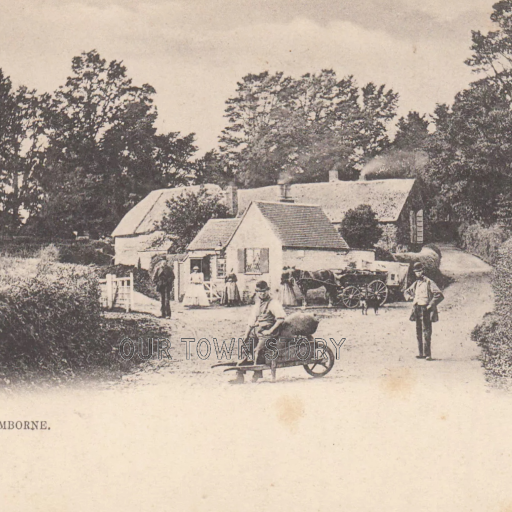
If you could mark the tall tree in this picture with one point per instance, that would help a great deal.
(303, 127)
(104, 154)
(492, 52)
(412, 133)
(471, 153)
(21, 144)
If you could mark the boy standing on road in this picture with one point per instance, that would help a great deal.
(426, 296)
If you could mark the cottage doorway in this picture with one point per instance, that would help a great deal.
(204, 266)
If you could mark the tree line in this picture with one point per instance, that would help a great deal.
(81, 157)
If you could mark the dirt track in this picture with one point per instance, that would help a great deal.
(375, 346)
(383, 431)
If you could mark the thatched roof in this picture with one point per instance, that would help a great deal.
(145, 216)
(386, 197)
(215, 234)
(301, 226)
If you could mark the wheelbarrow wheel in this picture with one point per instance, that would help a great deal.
(323, 366)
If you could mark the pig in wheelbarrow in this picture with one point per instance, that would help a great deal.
(293, 346)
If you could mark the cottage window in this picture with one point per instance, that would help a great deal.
(221, 268)
(253, 261)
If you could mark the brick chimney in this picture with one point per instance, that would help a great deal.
(231, 199)
(333, 175)
(284, 189)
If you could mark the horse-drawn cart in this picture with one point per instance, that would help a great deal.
(345, 286)
(354, 284)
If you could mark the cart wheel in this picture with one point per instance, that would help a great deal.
(379, 289)
(324, 366)
(351, 297)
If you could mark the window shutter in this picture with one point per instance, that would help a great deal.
(264, 265)
(412, 217)
(241, 261)
(419, 226)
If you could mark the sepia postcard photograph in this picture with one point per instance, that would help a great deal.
(256, 255)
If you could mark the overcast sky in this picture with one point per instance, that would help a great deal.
(194, 51)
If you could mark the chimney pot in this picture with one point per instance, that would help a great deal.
(285, 193)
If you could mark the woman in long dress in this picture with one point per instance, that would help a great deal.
(231, 295)
(288, 297)
(196, 294)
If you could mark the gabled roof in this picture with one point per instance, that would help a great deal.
(301, 226)
(215, 234)
(386, 197)
(145, 216)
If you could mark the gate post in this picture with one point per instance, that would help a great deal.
(131, 300)
(110, 291)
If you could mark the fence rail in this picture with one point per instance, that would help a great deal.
(213, 290)
(117, 292)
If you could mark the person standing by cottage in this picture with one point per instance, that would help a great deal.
(426, 296)
(195, 295)
(163, 277)
(287, 294)
(266, 319)
(231, 295)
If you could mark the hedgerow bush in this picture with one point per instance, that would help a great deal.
(494, 335)
(86, 253)
(52, 328)
(484, 242)
(49, 318)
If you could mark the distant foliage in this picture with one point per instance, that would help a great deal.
(188, 213)
(484, 242)
(86, 253)
(494, 335)
(360, 227)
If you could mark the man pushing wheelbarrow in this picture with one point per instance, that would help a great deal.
(266, 318)
(276, 342)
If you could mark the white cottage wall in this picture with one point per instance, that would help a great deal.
(127, 248)
(255, 233)
(314, 259)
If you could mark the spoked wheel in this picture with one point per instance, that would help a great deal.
(351, 297)
(324, 364)
(379, 289)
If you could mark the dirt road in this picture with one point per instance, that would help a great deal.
(374, 346)
(383, 431)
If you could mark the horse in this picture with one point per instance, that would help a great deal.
(312, 279)
(162, 275)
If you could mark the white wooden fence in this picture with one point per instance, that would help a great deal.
(117, 292)
(213, 289)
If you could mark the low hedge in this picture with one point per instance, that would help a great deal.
(494, 335)
(52, 328)
(484, 242)
(49, 318)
